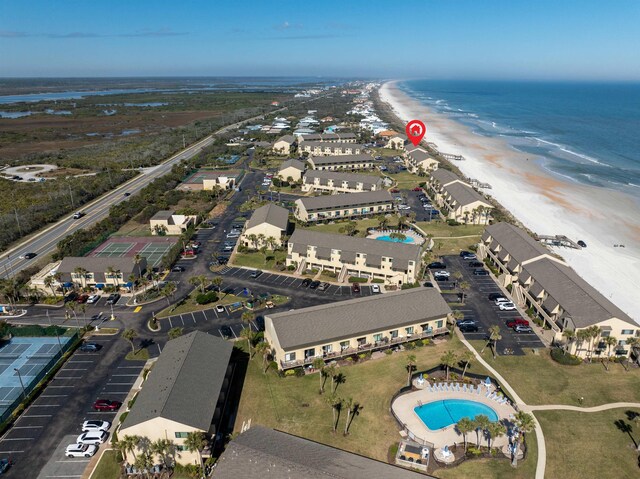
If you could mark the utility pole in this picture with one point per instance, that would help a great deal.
(15, 210)
(24, 391)
(71, 196)
(57, 334)
(184, 142)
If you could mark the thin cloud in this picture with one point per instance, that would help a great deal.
(161, 32)
(288, 26)
(73, 35)
(11, 34)
(306, 37)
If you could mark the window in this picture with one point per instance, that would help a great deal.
(181, 435)
(362, 341)
(181, 448)
(409, 330)
(290, 357)
(439, 324)
(309, 353)
(344, 345)
(627, 331)
(327, 349)
(605, 334)
(394, 334)
(377, 337)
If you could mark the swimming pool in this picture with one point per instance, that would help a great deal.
(408, 239)
(440, 414)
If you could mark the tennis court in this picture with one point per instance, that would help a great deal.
(151, 248)
(31, 357)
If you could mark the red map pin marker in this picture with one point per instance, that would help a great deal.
(415, 131)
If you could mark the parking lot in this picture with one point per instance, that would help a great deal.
(479, 308)
(54, 419)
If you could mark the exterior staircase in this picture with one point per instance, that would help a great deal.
(343, 273)
(302, 266)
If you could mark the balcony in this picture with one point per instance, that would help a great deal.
(369, 347)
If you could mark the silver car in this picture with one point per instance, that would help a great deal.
(80, 450)
(92, 437)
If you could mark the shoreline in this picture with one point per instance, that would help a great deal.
(544, 202)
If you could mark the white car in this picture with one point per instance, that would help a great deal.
(80, 450)
(220, 308)
(233, 234)
(375, 288)
(499, 301)
(441, 274)
(95, 426)
(404, 207)
(92, 437)
(93, 299)
(507, 306)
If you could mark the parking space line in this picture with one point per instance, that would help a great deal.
(53, 395)
(10, 452)
(18, 439)
(51, 386)
(37, 415)
(73, 361)
(129, 367)
(170, 323)
(119, 384)
(75, 369)
(45, 405)
(193, 317)
(123, 375)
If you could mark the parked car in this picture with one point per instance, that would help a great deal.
(512, 323)
(78, 215)
(28, 255)
(355, 287)
(507, 306)
(465, 322)
(494, 296)
(223, 260)
(522, 329)
(501, 299)
(269, 304)
(404, 207)
(113, 298)
(220, 309)
(314, 284)
(5, 464)
(417, 188)
(305, 282)
(89, 348)
(469, 328)
(72, 296)
(323, 286)
(480, 272)
(106, 405)
(127, 194)
(441, 278)
(177, 269)
(95, 426)
(444, 274)
(428, 284)
(80, 450)
(437, 265)
(83, 298)
(255, 273)
(226, 332)
(92, 437)
(467, 255)
(94, 298)
(475, 264)
(375, 288)
(582, 243)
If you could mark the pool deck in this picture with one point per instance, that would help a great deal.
(403, 407)
(414, 237)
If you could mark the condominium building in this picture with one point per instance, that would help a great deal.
(462, 202)
(345, 256)
(338, 182)
(417, 159)
(291, 169)
(283, 145)
(319, 148)
(266, 227)
(185, 392)
(344, 328)
(100, 271)
(397, 142)
(166, 222)
(555, 292)
(344, 205)
(345, 137)
(341, 162)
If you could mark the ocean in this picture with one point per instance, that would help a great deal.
(585, 132)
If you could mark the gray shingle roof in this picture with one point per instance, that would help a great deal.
(514, 241)
(345, 319)
(332, 145)
(443, 176)
(162, 215)
(288, 138)
(339, 177)
(341, 159)
(272, 214)
(346, 200)
(418, 155)
(297, 164)
(464, 194)
(185, 383)
(99, 265)
(579, 300)
(262, 453)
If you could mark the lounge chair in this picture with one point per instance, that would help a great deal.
(464, 388)
(487, 394)
(477, 389)
(458, 387)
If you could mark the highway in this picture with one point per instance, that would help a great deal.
(45, 241)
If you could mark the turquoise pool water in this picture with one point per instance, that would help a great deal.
(408, 239)
(440, 414)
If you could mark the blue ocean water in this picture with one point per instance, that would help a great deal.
(585, 132)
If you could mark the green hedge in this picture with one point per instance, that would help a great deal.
(206, 298)
(36, 330)
(559, 356)
(357, 279)
(377, 280)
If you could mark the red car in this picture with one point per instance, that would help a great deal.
(106, 405)
(394, 191)
(355, 287)
(417, 188)
(82, 298)
(512, 323)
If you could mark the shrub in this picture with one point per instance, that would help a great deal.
(418, 343)
(388, 352)
(426, 342)
(299, 372)
(357, 279)
(377, 280)
(452, 222)
(558, 355)
(207, 298)
(409, 346)
(290, 372)
(410, 285)
(291, 268)
(36, 330)
(330, 274)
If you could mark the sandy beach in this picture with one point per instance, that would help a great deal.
(546, 204)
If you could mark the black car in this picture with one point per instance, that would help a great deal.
(469, 328)
(437, 265)
(127, 194)
(113, 298)
(314, 284)
(465, 322)
(72, 296)
(29, 255)
(428, 284)
(305, 282)
(582, 244)
(475, 264)
(177, 269)
(442, 279)
(89, 348)
(494, 296)
(480, 272)
(226, 332)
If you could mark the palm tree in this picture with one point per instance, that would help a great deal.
(196, 442)
(168, 291)
(411, 366)
(348, 405)
(448, 360)
(253, 239)
(349, 228)
(382, 221)
(49, 281)
(525, 424)
(582, 335)
(494, 431)
(82, 273)
(174, 333)
(132, 279)
(129, 444)
(163, 448)
(200, 281)
(464, 286)
(482, 423)
(633, 343)
(465, 426)
(217, 282)
(318, 364)
(458, 276)
(130, 335)
(610, 341)
(494, 337)
(264, 350)
(594, 333)
(331, 372)
(466, 358)
(570, 336)
(336, 405)
(262, 239)
(247, 333)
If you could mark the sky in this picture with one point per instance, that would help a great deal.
(470, 39)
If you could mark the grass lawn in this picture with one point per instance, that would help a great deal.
(406, 180)
(361, 227)
(190, 305)
(140, 355)
(581, 445)
(440, 229)
(386, 152)
(293, 404)
(259, 260)
(108, 467)
(133, 228)
(538, 379)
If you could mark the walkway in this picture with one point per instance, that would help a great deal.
(542, 450)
